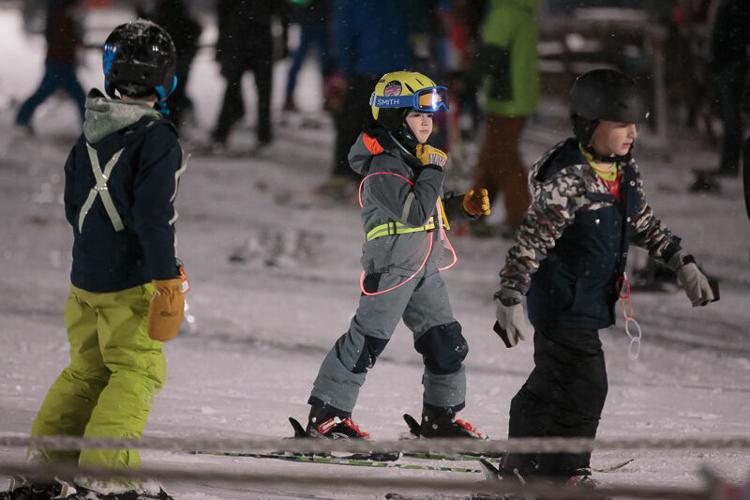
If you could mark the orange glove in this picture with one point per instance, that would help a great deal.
(429, 155)
(166, 309)
(477, 203)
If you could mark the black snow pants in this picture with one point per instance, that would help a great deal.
(563, 397)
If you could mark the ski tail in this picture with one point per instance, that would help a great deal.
(299, 430)
(414, 426)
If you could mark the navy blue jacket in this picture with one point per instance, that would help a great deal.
(142, 185)
(576, 285)
(573, 244)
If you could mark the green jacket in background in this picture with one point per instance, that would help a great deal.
(512, 25)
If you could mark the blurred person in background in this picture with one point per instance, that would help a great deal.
(730, 37)
(371, 39)
(508, 57)
(175, 17)
(728, 65)
(64, 38)
(245, 43)
(455, 38)
(746, 156)
(471, 17)
(312, 17)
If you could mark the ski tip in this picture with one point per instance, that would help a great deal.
(414, 426)
(299, 430)
(491, 473)
(613, 468)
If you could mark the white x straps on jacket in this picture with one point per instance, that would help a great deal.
(101, 189)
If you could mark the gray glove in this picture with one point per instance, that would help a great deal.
(691, 278)
(512, 323)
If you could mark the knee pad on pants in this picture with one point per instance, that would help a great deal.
(371, 349)
(443, 348)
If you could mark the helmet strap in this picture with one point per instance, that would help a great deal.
(163, 93)
(401, 146)
(406, 137)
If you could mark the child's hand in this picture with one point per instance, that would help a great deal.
(477, 202)
(429, 155)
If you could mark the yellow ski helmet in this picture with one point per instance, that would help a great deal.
(406, 90)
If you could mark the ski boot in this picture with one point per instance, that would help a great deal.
(581, 478)
(442, 423)
(92, 489)
(84, 494)
(331, 423)
(21, 488)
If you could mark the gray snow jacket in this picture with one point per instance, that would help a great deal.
(388, 197)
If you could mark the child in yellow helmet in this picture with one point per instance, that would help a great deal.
(405, 217)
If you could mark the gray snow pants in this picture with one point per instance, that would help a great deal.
(423, 304)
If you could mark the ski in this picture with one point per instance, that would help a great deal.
(357, 460)
(414, 429)
(492, 478)
(614, 467)
(382, 461)
(387, 460)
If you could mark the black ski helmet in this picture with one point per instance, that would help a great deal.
(604, 94)
(139, 59)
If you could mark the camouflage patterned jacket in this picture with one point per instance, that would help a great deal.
(573, 244)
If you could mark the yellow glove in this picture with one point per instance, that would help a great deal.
(429, 155)
(166, 309)
(477, 203)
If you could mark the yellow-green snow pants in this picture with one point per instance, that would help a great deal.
(115, 370)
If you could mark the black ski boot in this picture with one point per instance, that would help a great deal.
(329, 422)
(27, 489)
(84, 494)
(442, 423)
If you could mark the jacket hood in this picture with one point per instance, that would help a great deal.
(564, 154)
(105, 116)
(362, 151)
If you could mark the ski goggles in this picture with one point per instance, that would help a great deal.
(427, 100)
